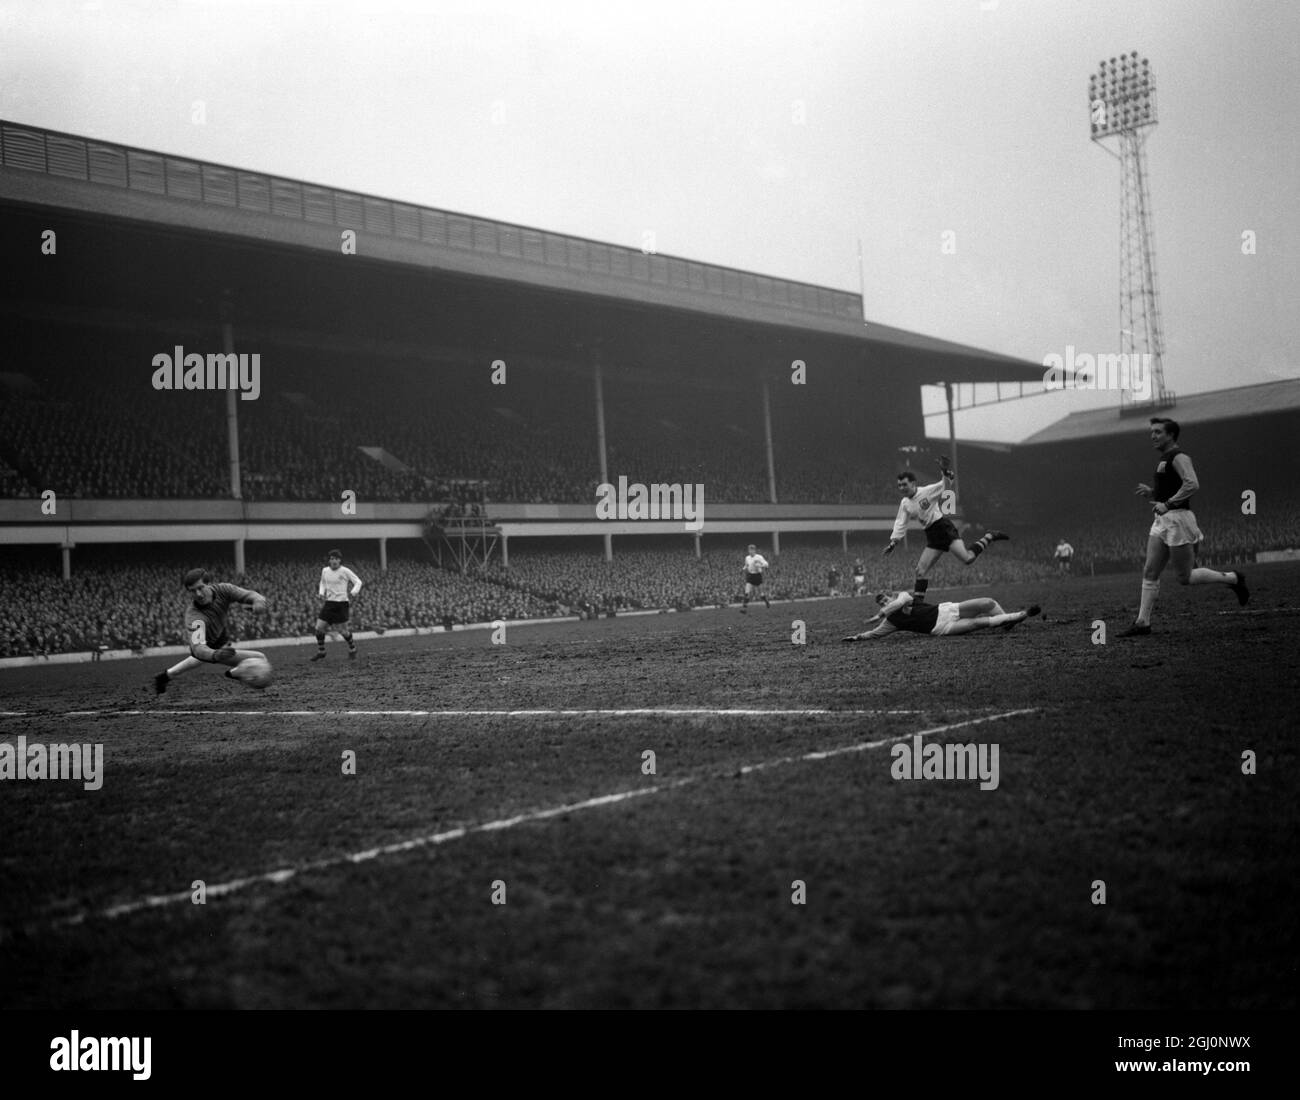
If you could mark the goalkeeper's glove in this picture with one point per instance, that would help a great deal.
(890, 548)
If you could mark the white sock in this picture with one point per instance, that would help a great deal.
(184, 666)
(1149, 590)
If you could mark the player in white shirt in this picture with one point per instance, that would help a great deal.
(898, 611)
(925, 505)
(753, 568)
(1064, 556)
(338, 587)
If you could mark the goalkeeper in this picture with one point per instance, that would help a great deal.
(206, 626)
(925, 504)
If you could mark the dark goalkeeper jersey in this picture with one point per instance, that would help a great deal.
(213, 616)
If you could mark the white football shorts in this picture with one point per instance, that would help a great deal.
(949, 615)
(1176, 528)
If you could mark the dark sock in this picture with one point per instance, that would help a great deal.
(320, 642)
(918, 590)
(348, 638)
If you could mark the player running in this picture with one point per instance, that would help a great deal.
(924, 505)
(899, 611)
(753, 568)
(1174, 534)
(335, 580)
(205, 626)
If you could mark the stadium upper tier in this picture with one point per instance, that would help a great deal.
(81, 418)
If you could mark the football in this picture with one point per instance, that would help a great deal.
(256, 672)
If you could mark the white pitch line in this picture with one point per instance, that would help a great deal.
(284, 874)
(1263, 611)
(624, 712)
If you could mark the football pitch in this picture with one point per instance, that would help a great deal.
(682, 810)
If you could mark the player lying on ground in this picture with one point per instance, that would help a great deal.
(899, 611)
(925, 505)
(1174, 534)
(205, 626)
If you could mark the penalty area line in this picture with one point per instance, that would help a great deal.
(286, 874)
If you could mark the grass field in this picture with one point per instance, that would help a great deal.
(1122, 763)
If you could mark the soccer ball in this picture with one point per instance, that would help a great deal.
(254, 671)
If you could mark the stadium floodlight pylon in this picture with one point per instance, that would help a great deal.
(1122, 105)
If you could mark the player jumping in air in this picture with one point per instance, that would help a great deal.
(925, 505)
(753, 568)
(899, 611)
(205, 626)
(335, 579)
(1174, 534)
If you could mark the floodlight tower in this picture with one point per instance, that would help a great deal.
(1122, 103)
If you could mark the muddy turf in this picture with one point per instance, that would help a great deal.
(325, 889)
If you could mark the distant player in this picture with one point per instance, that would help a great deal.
(899, 611)
(859, 577)
(335, 581)
(1063, 557)
(1174, 534)
(753, 569)
(833, 580)
(925, 505)
(206, 628)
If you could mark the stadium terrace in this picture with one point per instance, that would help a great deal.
(217, 372)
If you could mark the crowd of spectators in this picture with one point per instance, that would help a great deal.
(95, 428)
(133, 604)
(1108, 541)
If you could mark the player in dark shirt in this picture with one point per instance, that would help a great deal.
(900, 611)
(1174, 534)
(206, 628)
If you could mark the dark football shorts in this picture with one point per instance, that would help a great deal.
(334, 611)
(941, 534)
(754, 578)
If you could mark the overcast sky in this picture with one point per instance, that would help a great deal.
(765, 136)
